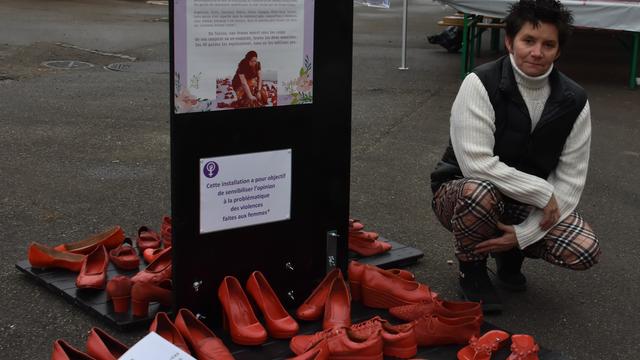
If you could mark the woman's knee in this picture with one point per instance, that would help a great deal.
(480, 192)
(587, 255)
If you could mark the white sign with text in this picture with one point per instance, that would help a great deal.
(155, 347)
(244, 190)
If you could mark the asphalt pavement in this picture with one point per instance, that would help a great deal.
(87, 148)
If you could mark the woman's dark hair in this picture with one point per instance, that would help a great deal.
(536, 12)
(250, 55)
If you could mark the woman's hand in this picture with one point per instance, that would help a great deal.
(505, 242)
(551, 214)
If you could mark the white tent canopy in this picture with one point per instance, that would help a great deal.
(599, 14)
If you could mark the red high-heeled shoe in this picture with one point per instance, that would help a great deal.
(204, 343)
(237, 314)
(142, 293)
(43, 257)
(63, 351)
(93, 274)
(337, 308)
(163, 326)
(279, 323)
(103, 346)
(313, 308)
(119, 291)
(160, 269)
(110, 238)
(165, 231)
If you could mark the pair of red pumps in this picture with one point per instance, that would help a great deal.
(192, 336)
(100, 346)
(239, 318)
(523, 347)
(153, 284)
(330, 299)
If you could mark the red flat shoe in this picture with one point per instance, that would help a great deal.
(337, 308)
(405, 274)
(436, 330)
(383, 290)
(119, 291)
(205, 344)
(43, 257)
(279, 324)
(450, 309)
(356, 271)
(147, 239)
(160, 269)
(523, 347)
(238, 316)
(150, 255)
(320, 352)
(63, 351)
(484, 347)
(342, 343)
(366, 235)
(103, 346)
(124, 256)
(93, 274)
(365, 246)
(355, 225)
(313, 308)
(399, 341)
(110, 238)
(163, 326)
(142, 293)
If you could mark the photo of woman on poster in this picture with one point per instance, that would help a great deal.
(247, 82)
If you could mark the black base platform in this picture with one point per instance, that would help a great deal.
(95, 302)
(63, 282)
(399, 256)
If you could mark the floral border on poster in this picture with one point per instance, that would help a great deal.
(301, 88)
(185, 102)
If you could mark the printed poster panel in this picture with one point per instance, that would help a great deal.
(232, 54)
(243, 190)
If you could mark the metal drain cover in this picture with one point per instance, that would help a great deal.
(67, 64)
(146, 67)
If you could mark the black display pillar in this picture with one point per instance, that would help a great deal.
(291, 253)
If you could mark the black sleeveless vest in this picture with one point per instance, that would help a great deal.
(536, 153)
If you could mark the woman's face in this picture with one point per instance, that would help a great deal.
(535, 48)
(253, 61)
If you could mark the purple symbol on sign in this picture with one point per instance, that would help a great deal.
(211, 169)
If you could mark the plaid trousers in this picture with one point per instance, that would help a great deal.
(470, 209)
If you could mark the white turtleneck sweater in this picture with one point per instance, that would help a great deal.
(472, 136)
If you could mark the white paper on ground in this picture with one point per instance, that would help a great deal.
(155, 347)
